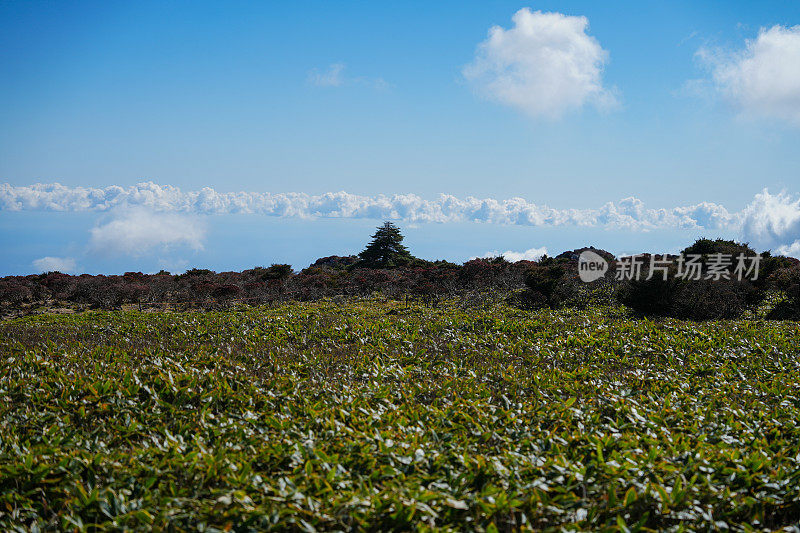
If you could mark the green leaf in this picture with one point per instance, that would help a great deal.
(630, 496)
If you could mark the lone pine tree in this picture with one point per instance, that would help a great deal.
(386, 248)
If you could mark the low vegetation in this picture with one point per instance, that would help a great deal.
(376, 415)
(386, 267)
(384, 392)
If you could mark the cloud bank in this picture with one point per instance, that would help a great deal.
(763, 79)
(769, 221)
(628, 213)
(138, 231)
(64, 265)
(545, 65)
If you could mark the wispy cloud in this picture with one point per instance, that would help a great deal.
(335, 76)
(770, 220)
(331, 77)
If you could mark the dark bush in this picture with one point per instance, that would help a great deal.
(336, 261)
(225, 292)
(276, 271)
(787, 280)
(195, 272)
(573, 255)
(688, 299)
(706, 247)
(552, 282)
(134, 292)
(61, 286)
(654, 297)
(14, 292)
(694, 299)
(776, 272)
(494, 273)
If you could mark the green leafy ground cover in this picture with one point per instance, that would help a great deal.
(372, 416)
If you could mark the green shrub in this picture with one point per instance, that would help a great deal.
(688, 299)
(786, 280)
(553, 283)
(702, 299)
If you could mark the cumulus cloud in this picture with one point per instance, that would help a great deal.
(52, 264)
(790, 250)
(138, 231)
(629, 213)
(773, 221)
(545, 65)
(148, 215)
(763, 79)
(532, 254)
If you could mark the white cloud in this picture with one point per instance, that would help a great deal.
(52, 264)
(790, 250)
(629, 213)
(532, 254)
(334, 76)
(772, 221)
(763, 80)
(137, 231)
(148, 215)
(545, 65)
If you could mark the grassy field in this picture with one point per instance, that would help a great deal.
(369, 415)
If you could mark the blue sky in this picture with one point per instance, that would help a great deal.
(669, 107)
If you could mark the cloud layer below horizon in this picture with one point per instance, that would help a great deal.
(629, 213)
(770, 220)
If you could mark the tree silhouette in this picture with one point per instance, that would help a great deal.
(386, 248)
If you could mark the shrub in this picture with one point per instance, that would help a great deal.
(706, 247)
(277, 271)
(14, 292)
(336, 261)
(573, 255)
(61, 286)
(132, 292)
(702, 299)
(552, 282)
(688, 299)
(195, 272)
(495, 273)
(787, 280)
(225, 292)
(776, 271)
